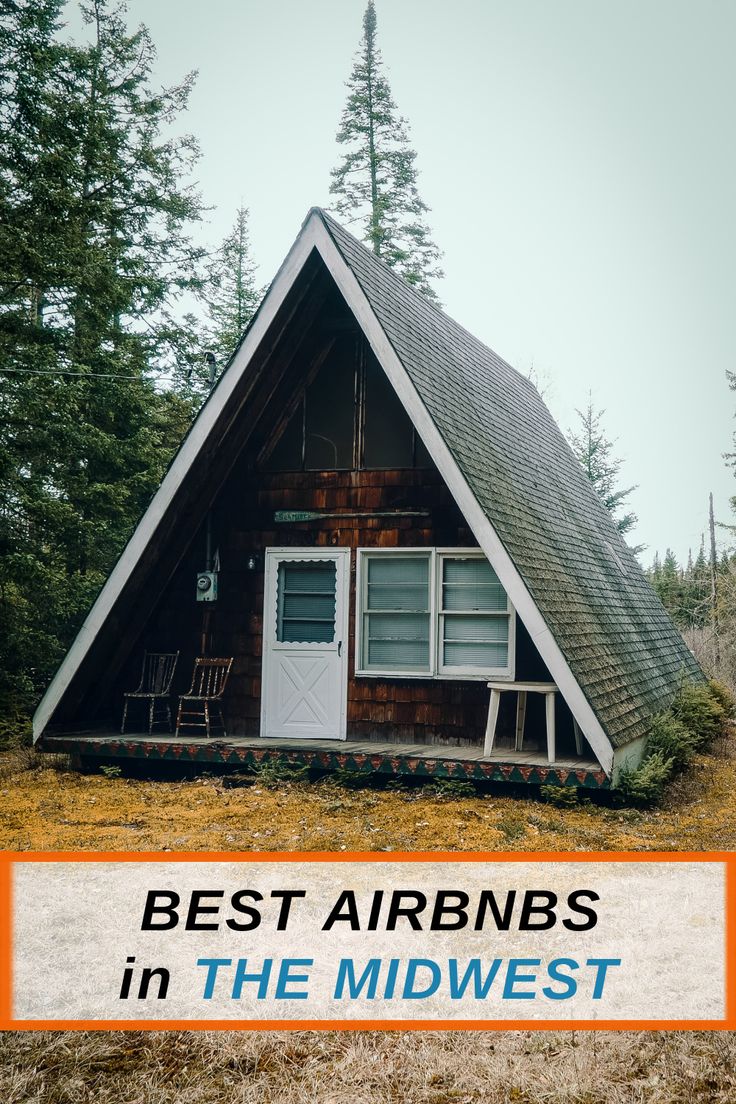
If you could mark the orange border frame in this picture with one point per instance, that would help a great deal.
(9, 858)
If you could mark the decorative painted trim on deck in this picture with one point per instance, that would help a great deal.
(221, 753)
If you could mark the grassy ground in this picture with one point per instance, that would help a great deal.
(44, 806)
(512, 1067)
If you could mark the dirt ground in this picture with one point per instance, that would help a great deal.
(44, 806)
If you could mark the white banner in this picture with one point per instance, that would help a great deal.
(326, 940)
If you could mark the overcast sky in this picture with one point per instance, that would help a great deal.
(578, 157)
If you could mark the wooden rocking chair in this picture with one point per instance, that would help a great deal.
(209, 680)
(155, 687)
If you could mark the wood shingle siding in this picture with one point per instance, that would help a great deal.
(408, 710)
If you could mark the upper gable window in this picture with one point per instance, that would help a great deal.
(329, 424)
(348, 417)
(288, 452)
(388, 435)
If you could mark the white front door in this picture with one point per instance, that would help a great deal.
(305, 645)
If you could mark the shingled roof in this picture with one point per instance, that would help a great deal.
(619, 642)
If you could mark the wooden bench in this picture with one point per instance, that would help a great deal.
(549, 689)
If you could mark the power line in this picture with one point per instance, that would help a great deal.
(84, 375)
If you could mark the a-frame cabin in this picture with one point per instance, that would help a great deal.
(398, 523)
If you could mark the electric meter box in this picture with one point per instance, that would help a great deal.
(207, 586)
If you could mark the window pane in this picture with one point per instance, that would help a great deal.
(390, 655)
(475, 641)
(310, 576)
(462, 627)
(475, 570)
(398, 583)
(399, 570)
(320, 607)
(396, 597)
(306, 602)
(396, 626)
(485, 656)
(330, 421)
(397, 640)
(471, 585)
(388, 435)
(286, 454)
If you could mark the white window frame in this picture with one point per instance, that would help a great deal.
(446, 670)
(436, 669)
(361, 596)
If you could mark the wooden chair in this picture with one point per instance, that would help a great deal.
(209, 680)
(155, 686)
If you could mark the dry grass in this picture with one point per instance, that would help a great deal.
(45, 807)
(368, 1068)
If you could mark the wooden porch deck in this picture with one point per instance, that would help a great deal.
(461, 762)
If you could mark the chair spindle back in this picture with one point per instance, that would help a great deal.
(210, 677)
(158, 672)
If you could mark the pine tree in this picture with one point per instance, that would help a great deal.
(684, 592)
(670, 586)
(699, 587)
(376, 181)
(655, 571)
(94, 252)
(231, 294)
(595, 452)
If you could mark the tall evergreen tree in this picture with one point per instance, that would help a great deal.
(375, 184)
(684, 592)
(231, 293)
(698, 587)
(94, 253)
(670, 587)
(594, 450)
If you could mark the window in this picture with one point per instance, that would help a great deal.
(474, 617)
(348, 417)
(329, 425)
(288, 452)
(440, 612)
(320, 432)
(305, 611)
(396, 617)
(388, 435)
